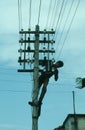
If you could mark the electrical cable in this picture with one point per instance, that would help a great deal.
(52, 12)
(39, 13)
(20, 14)
(59, 15)
(67, 17)
(64, 24)
(69, 27)
(15, 91)
(30, 6)
(48, 14)
(56, 11)
(61, 18)
(15, 81)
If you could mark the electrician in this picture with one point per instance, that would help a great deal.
(44, 80)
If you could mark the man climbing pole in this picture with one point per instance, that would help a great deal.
(44, 80)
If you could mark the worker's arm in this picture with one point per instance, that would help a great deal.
(56, 75)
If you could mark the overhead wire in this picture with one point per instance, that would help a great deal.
(55, 14)
(39, 13)
(59, 15)
(61, 18)
(30, 6)
(20, 14)
(69, 27)
(14, 91)
(26, 91)
(64, 24)
(15, 81)
(52, 13)
(46, 26)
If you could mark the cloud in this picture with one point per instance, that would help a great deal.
(9, 18)
(9, 49)
(10, 126)
(7, 126)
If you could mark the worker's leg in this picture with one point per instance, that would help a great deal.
(41, 81)
(43, 91)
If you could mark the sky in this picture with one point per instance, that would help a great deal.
(16, 88)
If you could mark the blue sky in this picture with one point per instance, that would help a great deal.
(16, 88)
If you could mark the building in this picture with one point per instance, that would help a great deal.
(73, 122)
(60, 128)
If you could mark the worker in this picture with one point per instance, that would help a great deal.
(44, 80)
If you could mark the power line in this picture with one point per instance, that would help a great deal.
(48, 14)
(15, 81)
(15, 91)
(20, 14)
(65, 23)
(39, 12)
(69, 27)
(59, 15)
(56, 11)
(26, 91)
(30, 13)
(61, 18)
(53, 12)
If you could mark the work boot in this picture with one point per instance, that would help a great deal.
(33, 103)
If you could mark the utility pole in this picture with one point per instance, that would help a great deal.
(30, 42)
(75, 118)
(36, 76)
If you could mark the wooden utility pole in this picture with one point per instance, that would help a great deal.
(26, 41)
(36, 75)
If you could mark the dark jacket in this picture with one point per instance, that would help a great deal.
(46, 75)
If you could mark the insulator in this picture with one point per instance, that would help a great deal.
(44, 31)
(20, 60)
(29, 29)
(53, 60)
(52, 49)
(44, 69)
(21, 39)
(44, 48)
(31, 61)
(29, 39)
(44, 39)
(21, 35)
(44, 61)
(52, 29)
(44, 57)
(22, 30)
(28, 48)
(20, 52)
(52, 41)
(28, 60)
